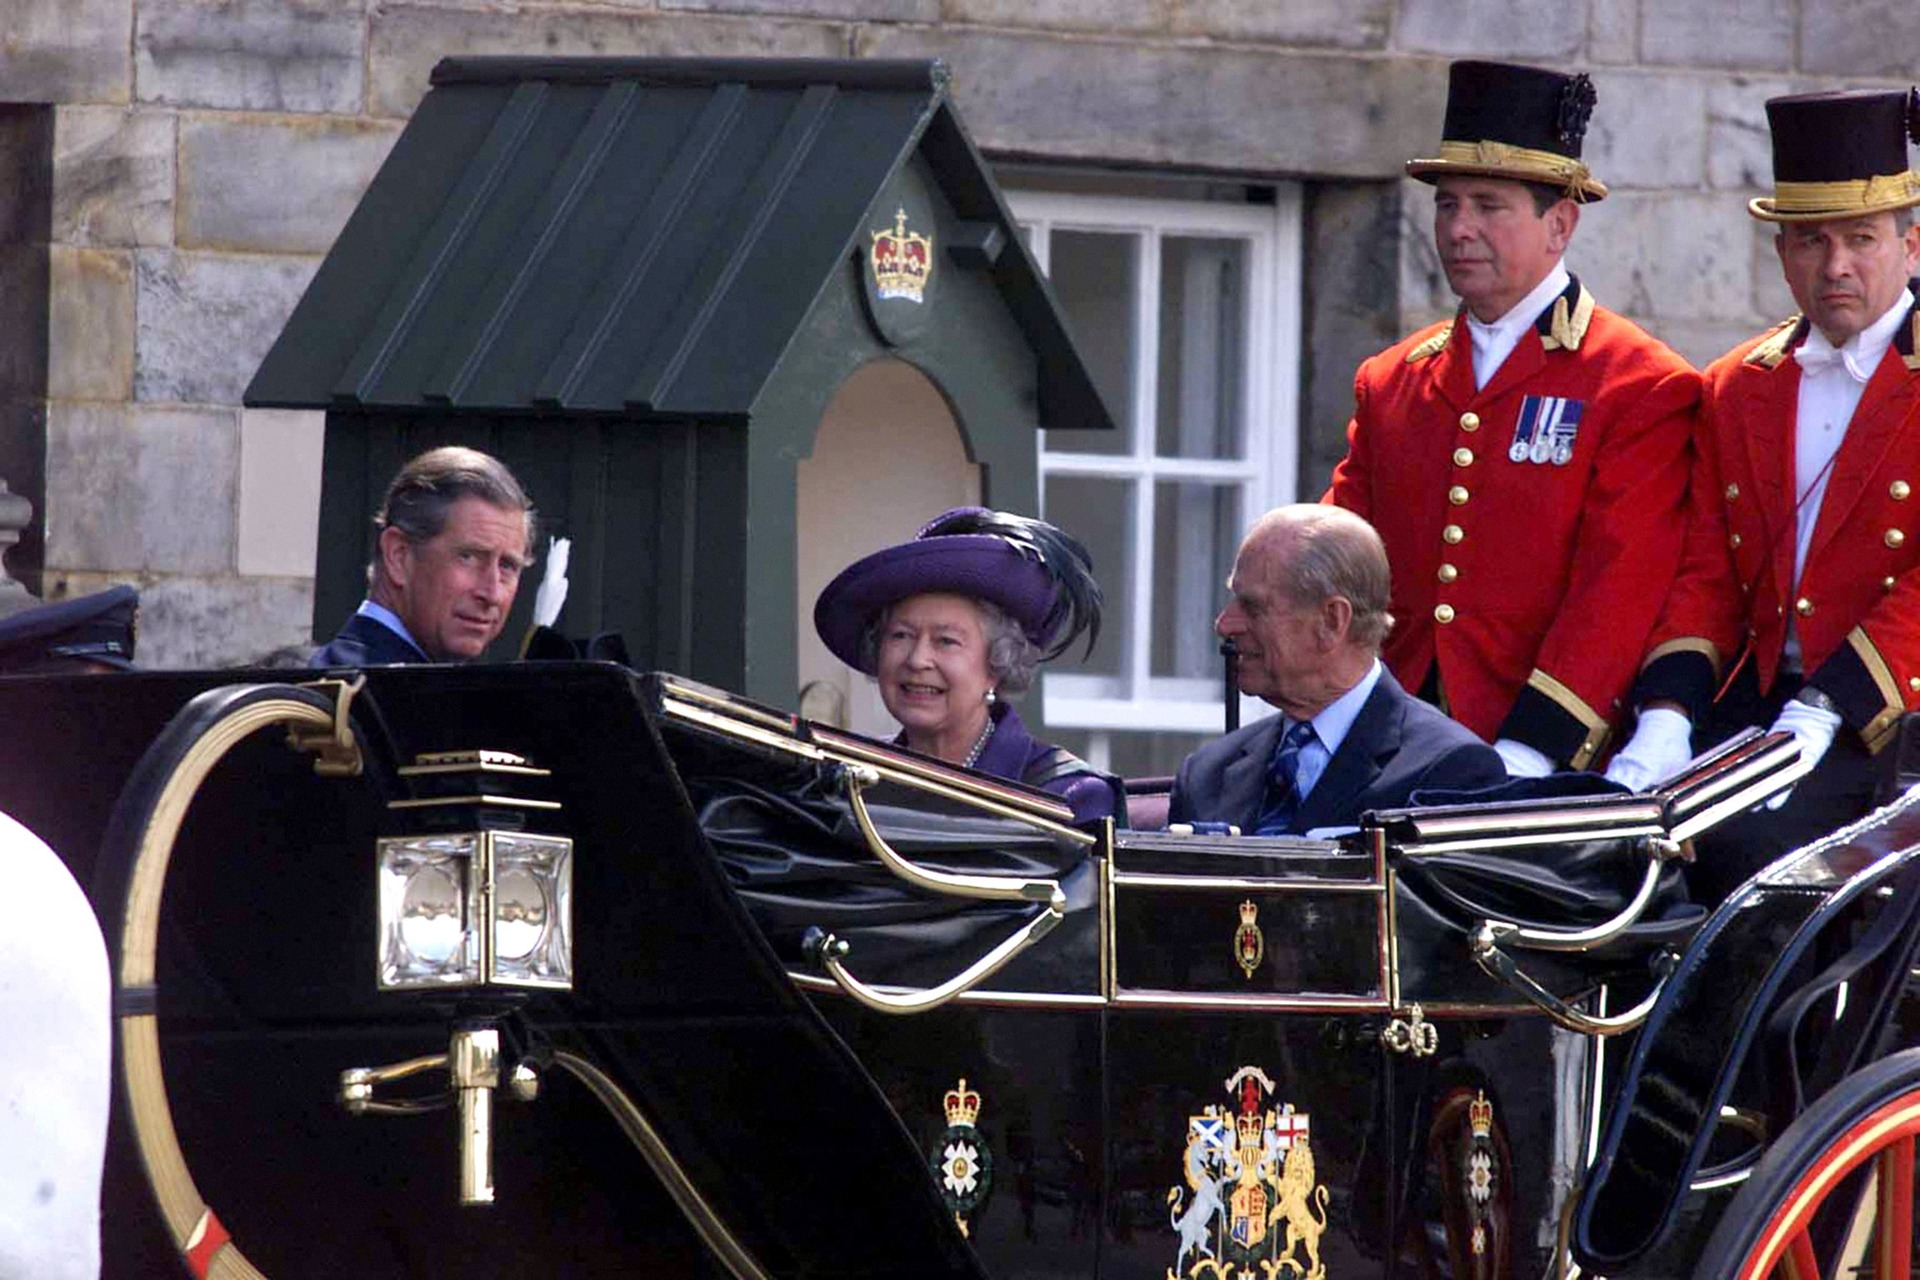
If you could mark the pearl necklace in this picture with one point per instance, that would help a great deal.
(979, 745)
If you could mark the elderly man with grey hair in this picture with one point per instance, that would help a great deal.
(1308, 611)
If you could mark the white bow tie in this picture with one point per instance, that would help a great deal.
(1824, 357)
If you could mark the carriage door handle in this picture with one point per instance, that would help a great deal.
(472, 1064)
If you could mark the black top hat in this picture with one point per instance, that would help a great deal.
(92, 629)
(1523, 123)
(1840, 155)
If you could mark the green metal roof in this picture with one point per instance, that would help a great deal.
(633, 236)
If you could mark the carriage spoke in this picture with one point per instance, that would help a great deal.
(1799, 1262)
(1893, 1248)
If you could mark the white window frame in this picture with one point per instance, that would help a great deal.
(1138, 700)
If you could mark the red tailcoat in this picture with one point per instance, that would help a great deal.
(1857, 605)
(1533, 583)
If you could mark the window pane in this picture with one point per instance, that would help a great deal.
(1099, 513)
(1203, 287)
(1196, 531)
(1094, 275)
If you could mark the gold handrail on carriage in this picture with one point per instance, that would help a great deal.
(1499, 964)
(830, 952)
(953, 884)
(1659, 853)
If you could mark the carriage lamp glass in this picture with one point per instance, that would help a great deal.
(476, 907)
(486, 903)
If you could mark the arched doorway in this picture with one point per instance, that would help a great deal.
(888, 456)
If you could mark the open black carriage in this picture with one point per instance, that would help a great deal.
(701, 989)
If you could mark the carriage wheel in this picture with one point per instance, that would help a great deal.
(1834, 1194)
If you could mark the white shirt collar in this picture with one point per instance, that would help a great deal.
(388, 619)
(1494, 342)
(1335, 720)
(1861, 354)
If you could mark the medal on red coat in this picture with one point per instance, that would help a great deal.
(1545, 430)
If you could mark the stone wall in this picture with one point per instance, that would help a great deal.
(203, 155)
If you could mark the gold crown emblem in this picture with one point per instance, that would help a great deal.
(902, 261)
(1480, 1115)
(1249, 913)
(1251, 1126)
(963, 1104)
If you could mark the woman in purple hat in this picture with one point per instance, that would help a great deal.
(953, 623)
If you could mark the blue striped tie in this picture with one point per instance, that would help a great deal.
(1283, 792)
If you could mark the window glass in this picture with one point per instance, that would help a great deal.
(1099, 513)
(1095, 275)
(1200, 410)
(1196, 531)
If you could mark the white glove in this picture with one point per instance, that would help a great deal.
(1661, 744)
(552, 594)
(1813, 727)
(1523, 761)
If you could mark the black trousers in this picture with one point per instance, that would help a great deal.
(1841, 788)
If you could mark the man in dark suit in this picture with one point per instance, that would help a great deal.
(456, 533)
(1308, 614)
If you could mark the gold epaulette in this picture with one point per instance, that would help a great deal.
(1911, 358)
(1432, 346)
(1772, 349)
(1566, 331)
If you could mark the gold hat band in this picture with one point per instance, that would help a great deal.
(1525, 163)
(1845, 195)
(1818, 201)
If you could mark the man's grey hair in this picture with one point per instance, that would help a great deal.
(1336, 554)
(425, 490)
(1012, 659)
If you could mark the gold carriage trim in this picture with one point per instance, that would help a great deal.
(1505, 160)
(1686, 644)
(1815, 201)
(1433, 346)
(1772, 349)
(1574, 705)
(1879, 730)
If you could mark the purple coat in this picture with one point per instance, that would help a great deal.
(1012, 753)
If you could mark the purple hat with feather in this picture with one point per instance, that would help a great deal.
(1038, 575)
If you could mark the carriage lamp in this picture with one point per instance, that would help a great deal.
(470, 897)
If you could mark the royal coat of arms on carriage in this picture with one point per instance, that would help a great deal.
(1251, 1208)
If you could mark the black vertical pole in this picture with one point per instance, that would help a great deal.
(1232, 655)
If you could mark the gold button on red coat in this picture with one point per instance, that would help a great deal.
(1452, 534)
(1803, 607)
(1469, 422)
(1443, 613)
(1733, 493)
(1463, 457)
(1913, 683)
(1448, 573)
(1458, 495)
(1899, 490)
(1733, 540)
(1895, 537)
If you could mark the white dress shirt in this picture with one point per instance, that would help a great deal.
(1493, 343)
(1831, 384)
